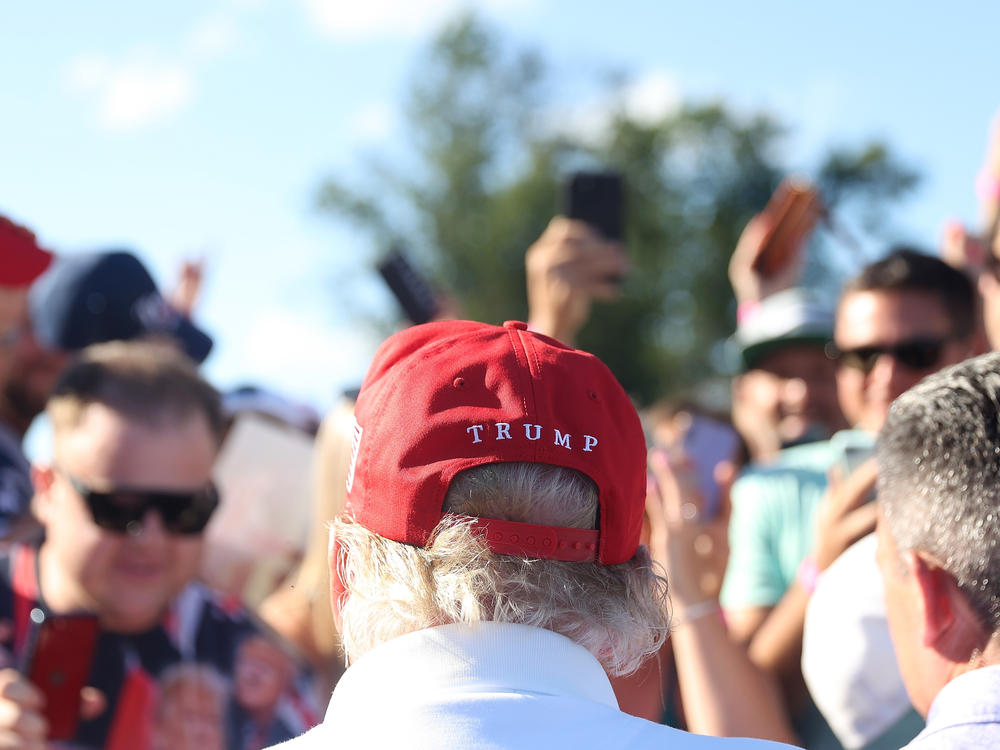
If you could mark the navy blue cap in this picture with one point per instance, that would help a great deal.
(108, 296)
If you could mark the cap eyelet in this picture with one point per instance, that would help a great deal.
(593, 395)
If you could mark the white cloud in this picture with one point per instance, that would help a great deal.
(87, 72)
(213, 36)
(142, 92)
(145, 86)
(393, 18)
(138, 91)
(325, 357)
(646, 99)
(375, 121)
(652, 97)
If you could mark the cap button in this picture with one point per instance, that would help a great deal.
(516, 325)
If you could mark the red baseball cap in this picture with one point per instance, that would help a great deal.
(21, 259)
(447, 396)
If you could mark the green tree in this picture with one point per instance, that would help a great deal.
(487, 161)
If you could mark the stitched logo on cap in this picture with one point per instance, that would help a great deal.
(355, 447)
(480, 433)
(155, 314)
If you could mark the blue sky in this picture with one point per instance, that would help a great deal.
(186, 128)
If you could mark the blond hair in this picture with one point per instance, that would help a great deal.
(617, 612)
(299, 609)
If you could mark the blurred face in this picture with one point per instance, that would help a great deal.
(126, 578)
(791, 394)
(32, 375)
(889, 341)
(191, 717)
(263, 671)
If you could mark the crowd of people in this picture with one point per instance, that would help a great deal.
(501, 552)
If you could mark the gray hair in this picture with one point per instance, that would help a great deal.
(617, 612)
(939, 476)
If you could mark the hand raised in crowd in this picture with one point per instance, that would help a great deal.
(568, 267)
(723, 692)
(845, 514)
(692, 548)
(185, 295)
(749, 283)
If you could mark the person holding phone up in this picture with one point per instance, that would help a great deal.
(124, 503)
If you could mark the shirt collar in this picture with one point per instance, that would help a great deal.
(487, 656)
(969, 698)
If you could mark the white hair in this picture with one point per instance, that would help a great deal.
(617, 612)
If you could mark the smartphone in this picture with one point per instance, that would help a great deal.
(791, 215)
(708, 442)
(411, 289)
(852, 448)
(597, 198)
(57, 660)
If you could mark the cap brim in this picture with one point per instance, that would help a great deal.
(196, 343)
(751, 356)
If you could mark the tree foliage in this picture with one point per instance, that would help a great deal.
(491, 142)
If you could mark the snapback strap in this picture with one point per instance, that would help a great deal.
(533, 540)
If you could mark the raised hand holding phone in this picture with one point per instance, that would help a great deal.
(693, 549)
(769, 255)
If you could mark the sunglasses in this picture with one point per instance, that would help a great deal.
(916, 354)
(123, 510)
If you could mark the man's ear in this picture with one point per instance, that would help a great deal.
(42, 479)
(940, 603)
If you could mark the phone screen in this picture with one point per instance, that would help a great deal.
(708, 442)
(598, 199)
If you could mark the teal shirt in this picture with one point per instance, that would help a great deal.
(773, 523)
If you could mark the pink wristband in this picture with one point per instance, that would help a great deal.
(808, 575)
(745, 309)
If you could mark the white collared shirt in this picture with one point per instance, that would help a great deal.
(490, 686)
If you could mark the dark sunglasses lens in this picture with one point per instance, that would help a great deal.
(919, 355)
(115, 511)
(182, 513)
(862, 359)
(187, 514)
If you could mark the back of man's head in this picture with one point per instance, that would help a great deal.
(939, 477)
(497, 475)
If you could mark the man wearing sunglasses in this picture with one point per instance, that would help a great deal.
(898, 321)
(901, 319)
(123, 505)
